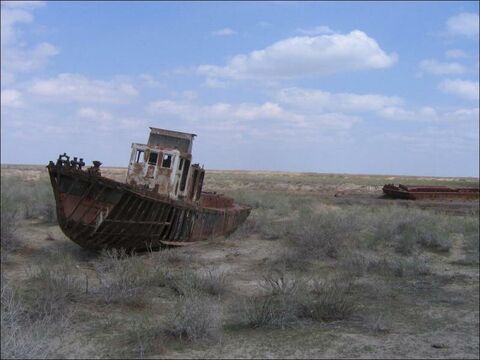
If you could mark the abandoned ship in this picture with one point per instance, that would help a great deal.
(161, 202)
(418, 192)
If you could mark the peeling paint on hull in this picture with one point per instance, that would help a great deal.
(98, 213)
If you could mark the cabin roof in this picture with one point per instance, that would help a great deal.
(171, 133)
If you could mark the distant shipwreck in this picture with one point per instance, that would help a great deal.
(418, 192)
(161, 203)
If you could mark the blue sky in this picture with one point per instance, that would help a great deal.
(347, 87)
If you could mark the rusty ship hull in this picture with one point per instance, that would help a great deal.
(100, 213)
(413, 192)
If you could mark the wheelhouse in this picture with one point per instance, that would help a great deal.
(164, 165)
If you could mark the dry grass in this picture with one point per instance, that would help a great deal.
(30, 322)
(400, 278)
(286, 300)
(186, 282)
(32, 199)
(195, 318)
(123, 277)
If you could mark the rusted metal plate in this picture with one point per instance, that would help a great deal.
(417, 192)
(161, 202)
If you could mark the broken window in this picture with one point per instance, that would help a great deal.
(152, 159)
(139, 156)
(167, 161)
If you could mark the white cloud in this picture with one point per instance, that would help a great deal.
(441, 68)
(465, 24)
(18, 56)
(462, 88)
(425, 113)
(78, 88)
(94, 114)
(235, 115)
(465, 115)
(150, 81)
(455, 54)
(105, 121)
(306, 56)
(319, 100)
(11, 98)
(224, 32)
(215, 83)
(322, 29)
(17, 59)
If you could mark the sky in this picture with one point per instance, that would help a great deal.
(329, 87)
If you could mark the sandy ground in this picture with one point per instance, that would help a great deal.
(436, 316)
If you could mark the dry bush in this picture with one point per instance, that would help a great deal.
(168, 257)
(314, 236)
(468, 226)
(144, 339)
(195, 318)
(286, 300)
(406, 228)
(263, 222)
(32, 199)
(24, 337)
(329, 300)
(184, 282)
(122, 277)
(51, 289)
(9, 225)
(357, 264)
(187, 282)
(263, 200)
(279, 306)
(214, 281)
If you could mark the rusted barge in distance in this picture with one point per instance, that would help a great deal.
(413, 192)
(161, 202)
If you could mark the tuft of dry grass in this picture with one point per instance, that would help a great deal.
(52, 288)
(27, 335)
(407, 228)
(186, 282)
(123, 277)
(356, 264)
(144, 338)
(195, 318)
(329, 300)
(288, 299)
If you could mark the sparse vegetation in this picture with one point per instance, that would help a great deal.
(287, 300)
(123, 277)
(307, 271)
(186, 282)
(52, 287)
(195, 318)
(32, 199)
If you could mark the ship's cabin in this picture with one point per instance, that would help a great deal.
(164, 165)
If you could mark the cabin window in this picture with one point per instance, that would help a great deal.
(152, 159)
(180, 166)
(167, 161)
(139, 156)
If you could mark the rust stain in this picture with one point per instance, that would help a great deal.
(160, 202)
(417, 192)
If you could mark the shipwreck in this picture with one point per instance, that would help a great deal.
(160, 203)
(417, 192)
